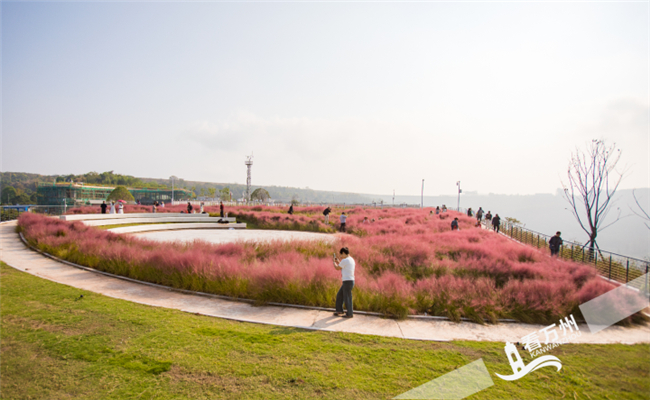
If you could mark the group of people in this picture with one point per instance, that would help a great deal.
(554, 244)
(112, 209)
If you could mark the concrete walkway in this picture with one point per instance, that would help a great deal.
(17, 255)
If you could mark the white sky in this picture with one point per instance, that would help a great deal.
(359, 97)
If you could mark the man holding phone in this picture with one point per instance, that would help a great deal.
(346, 266)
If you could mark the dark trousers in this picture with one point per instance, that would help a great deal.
(345, 296)
(496, 228)
(555, 252)
(343, 227)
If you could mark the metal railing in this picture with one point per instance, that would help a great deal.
(613, 266)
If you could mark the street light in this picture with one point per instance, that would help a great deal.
(459, 192)
(422, 195)
(172, 178)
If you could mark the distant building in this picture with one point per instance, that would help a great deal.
(80, 194)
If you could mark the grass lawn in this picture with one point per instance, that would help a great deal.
(56, 347)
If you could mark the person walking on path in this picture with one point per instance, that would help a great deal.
(470, 213)
(344, 296)
(343, 219)
(488, 217)
(201, 208)
(555, 243)
(496, 223)
(454, 224)
(291, 209)
(155, 205)
(103, 207)
(326, 213)
(221, 209)
(189, 207)
(479, 214)
(120, 208)
(112, 211)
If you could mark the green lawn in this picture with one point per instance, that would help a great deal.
(56, 347)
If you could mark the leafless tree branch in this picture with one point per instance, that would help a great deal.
(589, 190)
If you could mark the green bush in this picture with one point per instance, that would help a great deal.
(120, 193)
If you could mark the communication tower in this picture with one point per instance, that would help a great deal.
(249, 164)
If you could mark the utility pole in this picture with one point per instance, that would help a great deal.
(422, 195)
(172, 178)
(249, 165)
(459, 192)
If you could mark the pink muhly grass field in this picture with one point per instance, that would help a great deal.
(408, 262)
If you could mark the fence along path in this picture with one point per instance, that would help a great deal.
(610, 265)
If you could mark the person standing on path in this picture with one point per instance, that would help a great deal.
(189, 207)
(488, 217)
(155, 205)
(112, 211)
(201, 208)
(437, 210)
(343, 219)
(103, 207)
(479, 214)
(326, 213)
(221, 209)
(496, 223)
(469, 212)
(555, 243)
(344, 296)
(454, 224)
(120, 208)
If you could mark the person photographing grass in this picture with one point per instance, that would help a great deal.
(346, 266)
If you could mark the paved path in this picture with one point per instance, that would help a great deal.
(232, 236)
(14, 253)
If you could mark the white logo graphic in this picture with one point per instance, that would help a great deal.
(520, 370)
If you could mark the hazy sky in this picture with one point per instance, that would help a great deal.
(360, 97)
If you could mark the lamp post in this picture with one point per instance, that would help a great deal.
(172, 178)
(422, 195)
(459, 192)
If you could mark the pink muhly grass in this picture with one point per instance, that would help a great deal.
(407, 262)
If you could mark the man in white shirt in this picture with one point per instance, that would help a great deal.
(346, 266)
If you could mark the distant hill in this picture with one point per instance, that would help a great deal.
(25, 183)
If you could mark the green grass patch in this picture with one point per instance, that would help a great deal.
(56, 345)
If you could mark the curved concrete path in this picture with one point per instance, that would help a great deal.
(17, 255)
(221, 236)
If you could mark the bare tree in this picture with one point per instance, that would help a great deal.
(589, 191)
(643, 214)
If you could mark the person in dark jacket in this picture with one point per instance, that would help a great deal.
(326, 213)
(479, 214)
(488, 216)
(496, 223)
(555, 243)
(454, 224)
(221, 209)
(437, 210)
(103, 207)
(470, 213)
(189, 207)
(291, 210)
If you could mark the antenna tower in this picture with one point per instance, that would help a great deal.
(249, 164)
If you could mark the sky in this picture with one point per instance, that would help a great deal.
(365, 97)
